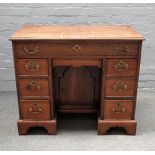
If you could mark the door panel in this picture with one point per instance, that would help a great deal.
(77, 86)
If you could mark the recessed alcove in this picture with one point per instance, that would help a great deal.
(77, 89)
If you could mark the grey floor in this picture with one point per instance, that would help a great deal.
(79, 134)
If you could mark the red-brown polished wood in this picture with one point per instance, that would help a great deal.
(117, 67)
(77, 69)
(35, 109)
(119, 87)
(75, 48)
(32, 87)
(118, 109)
(32, 67)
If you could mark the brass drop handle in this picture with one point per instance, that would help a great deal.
(122, 50)
(121, 66)
(32, 66)
(35, 108)
(120, 86)
(33, 86)
(118, 110)
(76, 47)
(31, 51)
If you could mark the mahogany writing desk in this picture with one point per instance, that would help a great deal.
(77, 69)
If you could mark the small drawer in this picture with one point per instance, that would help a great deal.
(124, 67)
(118, 109)
(120, 87)
(35, 109)
(34, 87)
(74, 49)
(32, 66)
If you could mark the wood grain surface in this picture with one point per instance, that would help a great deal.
(49, 32)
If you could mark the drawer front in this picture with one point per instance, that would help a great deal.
(118, 109)
(121, 67)
(35, 109)
(120, 87)
(34, 87)
(32, 66)
(73, 49)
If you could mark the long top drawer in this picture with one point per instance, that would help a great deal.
(75, 49)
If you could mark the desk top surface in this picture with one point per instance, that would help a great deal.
(76, 32)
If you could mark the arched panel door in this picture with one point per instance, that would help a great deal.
(78, 88)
